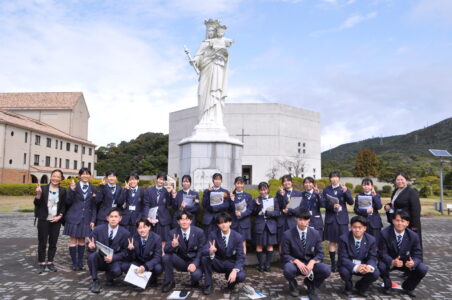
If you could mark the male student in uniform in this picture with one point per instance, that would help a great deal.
(223, 254)
(400, 249)
(302, 254)
(358, 256)
(183, 250)
(113, 236)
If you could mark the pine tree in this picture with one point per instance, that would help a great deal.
(366, 164)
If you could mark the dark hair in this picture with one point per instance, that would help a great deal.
(404, 215)
(404, 175)
(302, 213)
(59, 171)
(133, 176)
(334, 174)
(309, 179)
(239, 179)
(223, 217)
(263, 185)
(143, 220)
(286, 177)
(180, 213)
(161, 175)
(359, 219)
(113, 210)
(366, 181)
(188, 177)
(217, 175)
(84, 170)
(111, 172)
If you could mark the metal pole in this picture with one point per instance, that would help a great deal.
(441, 185)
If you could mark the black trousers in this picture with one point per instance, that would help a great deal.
(47, 231)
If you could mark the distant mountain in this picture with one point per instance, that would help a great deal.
(408, 152)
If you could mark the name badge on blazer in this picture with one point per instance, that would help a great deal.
(234, 252)
(356, 262)
(113, 205)
(335, 192)
(312, 249)
(407, 253)
(195, 247)
(151, 253)
(132, 207)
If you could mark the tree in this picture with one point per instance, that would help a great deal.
(293, 166)
(366, 164)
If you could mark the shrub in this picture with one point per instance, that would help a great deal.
(386, 191)
(358, 189)
(425, 192)
(349, 186)
(17, 189)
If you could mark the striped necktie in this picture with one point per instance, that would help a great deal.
(303, 239)
(399, 241)
(357, 246)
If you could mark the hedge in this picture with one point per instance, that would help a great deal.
(17, 189)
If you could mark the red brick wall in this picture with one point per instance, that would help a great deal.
(14, 176)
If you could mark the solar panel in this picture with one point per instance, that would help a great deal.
(440, 153)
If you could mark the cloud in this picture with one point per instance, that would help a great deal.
(437, 11)
(348, 23)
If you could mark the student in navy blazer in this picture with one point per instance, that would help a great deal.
(158, 196)
(80, 217)
(50, 208)
(302, 254)
(400, 249)
(313, 201)
(265, 226)
(108, 197)
(374, 223)
(286, 219)
(212, 211)
(241, 221)
(223, 254)
(144, 251)
(178, 200)
(336, 215)
(357, 254)
(113, 236)
(183, 250)
(132, 198)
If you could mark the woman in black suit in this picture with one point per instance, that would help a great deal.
(407, 199)
(49, 210)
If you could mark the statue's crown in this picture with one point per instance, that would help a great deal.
(211, 22)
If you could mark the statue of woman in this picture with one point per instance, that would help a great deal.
(212, 62)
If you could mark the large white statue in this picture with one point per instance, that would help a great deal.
(212, 62)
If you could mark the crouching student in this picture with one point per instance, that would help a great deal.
(223, 254)
(113, 236)
(144, 251)
(183, 251)
(400, 249)
(302, 254)
(358, 256)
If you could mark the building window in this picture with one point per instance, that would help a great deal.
(61, 145)
(313, 176)
(83, 164)
(68, 146)
(56, 162)
(75, 165)
(67, 163)
(304, 144)
(299, 144)
(90, 151)
(36, 162)
(302, 169)
(299, 150)
(313, 170)
(37, 140)
(47, 161)
(10, 161)
(23, 178)
(83, 149)
(89, 166)
(26, 137)
(12, 133)
(56, 145)
(59, 163)
(304, 151)
(25, 158)
(49, 142)
(75, 148)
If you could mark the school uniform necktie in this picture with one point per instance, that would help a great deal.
(225, 242)
(133, 192)
(85, 188)
(185, 238)
(158, 195)
(143, 245)
(303, 240)
(110, 238)
(399, 241)
(357, 246)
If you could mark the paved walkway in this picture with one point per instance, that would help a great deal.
(18, 246)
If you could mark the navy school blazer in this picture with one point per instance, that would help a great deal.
(163, 202)
(177, 202)
(210, 212)
(79, 207)
(286, 219)
(191, 252)
(233, 252)
(268, 220)
(292, 248)
(130, 217)
(374, 220)
(347, 250)
(152, 254)
(344, 198)
(244, 220)
(313, 204)
(119, 244)
(105, 200)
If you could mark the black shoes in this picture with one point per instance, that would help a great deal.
(207, 290)
(168, 286)
(260, 268)
(364, 294)
(41, 268)
(387, 291)
(231, 285)
(294, 292)
(409, 293)
(95, 287)
(267, 268)
(312, 293)
(52, 267)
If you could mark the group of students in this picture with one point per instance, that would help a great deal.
(139, 226)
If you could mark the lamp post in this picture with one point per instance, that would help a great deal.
(441, 154)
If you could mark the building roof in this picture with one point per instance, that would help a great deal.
(66, 172)
(18, 120)
(49, 100)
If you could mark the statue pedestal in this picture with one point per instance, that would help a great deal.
(213, 151)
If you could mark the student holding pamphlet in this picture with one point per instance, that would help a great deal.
(367, 205)
(185, 199)
(133, 199)
(214, 201)
(108, 196)
(313, 201)
(336, 197)
(243, 208)
(266, 212)
(110, 240)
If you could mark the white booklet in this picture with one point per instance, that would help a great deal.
(364, 201)
(216, 198)
(139, 280)
(332, 200)
(178, 295)
(294, 202)
(153, 212)
(268, 205)
(189, 200)
(104, 249)
(252, 293)
(241, 206)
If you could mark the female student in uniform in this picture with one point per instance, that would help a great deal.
(313, 201)
(180, 204)
(371, 214)
(243, 206)
(132, 198)
(336, 197)
(50, 208)
(80, 216)
(108, 197)
(265, 226)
